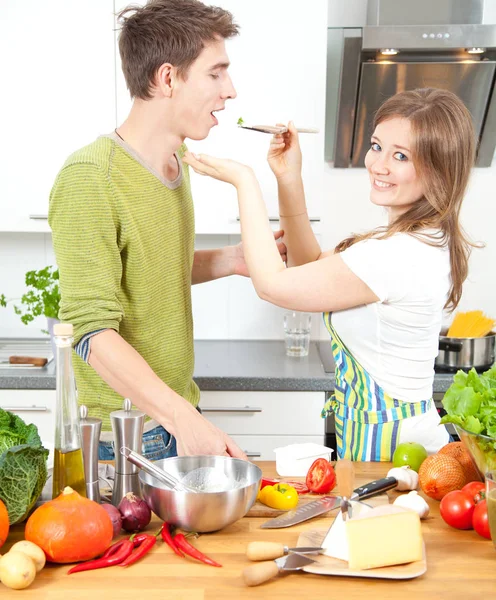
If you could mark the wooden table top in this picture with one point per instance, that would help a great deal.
(460, 564)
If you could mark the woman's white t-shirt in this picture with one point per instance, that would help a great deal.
(396, 339)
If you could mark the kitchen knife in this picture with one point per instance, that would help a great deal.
(269, 550)
(327, 503)
(261, 572)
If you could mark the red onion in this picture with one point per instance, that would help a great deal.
(115, 517)
(136, 513)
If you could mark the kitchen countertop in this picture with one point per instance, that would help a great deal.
(234, 365)
(460, 564)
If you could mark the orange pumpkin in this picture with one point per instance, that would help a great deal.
(70, 528)
(4, 523)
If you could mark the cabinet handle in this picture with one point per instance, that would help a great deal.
(39, 217)
(252, 454)
(245, 409)
(26, 408)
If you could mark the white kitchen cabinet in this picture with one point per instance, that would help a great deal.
(278, 67)
(58, 94)
(259, 422)
(33, 406)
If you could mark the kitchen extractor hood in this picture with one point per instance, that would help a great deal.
(406, 45)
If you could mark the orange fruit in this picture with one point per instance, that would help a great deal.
(459, 451)
(4, 523)
(440, 474)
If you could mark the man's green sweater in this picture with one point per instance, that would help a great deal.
(124, 243)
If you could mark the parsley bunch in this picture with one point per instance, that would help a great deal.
(42, 297)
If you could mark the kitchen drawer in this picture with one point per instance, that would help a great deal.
(33, 406)
(267, 413)
(261, 447)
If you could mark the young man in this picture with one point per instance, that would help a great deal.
(122, 218)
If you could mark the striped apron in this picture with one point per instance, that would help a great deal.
(367, 419)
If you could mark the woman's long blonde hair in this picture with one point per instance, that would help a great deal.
(443, 154)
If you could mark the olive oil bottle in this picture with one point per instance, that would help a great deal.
(68, 469)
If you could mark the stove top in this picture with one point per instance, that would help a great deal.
(452, 370)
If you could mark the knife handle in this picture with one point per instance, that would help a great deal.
(374, 487)
(260, 572)
(265, 550)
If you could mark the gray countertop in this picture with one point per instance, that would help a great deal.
(234, 365)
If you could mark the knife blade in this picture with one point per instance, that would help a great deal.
(270, 550)
(263, 571)
(327, 503)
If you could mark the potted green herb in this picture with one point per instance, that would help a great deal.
(42, 297)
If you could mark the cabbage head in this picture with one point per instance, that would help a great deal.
(23, 470)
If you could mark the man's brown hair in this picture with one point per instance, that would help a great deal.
(167, 31)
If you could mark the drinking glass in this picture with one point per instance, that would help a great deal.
(491, 503)
(297, 333)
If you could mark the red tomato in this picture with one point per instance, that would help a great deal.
(457, 509)
(480, 520)
(300, 487)
(321, 477)
(474, 489)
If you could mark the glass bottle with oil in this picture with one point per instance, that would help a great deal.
(68, 468)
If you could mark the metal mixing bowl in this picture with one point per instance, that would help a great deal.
(203, 511)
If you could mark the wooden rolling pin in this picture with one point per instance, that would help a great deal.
(28, 360)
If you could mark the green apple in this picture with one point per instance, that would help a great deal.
(411, 454)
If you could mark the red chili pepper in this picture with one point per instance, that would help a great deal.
(119, 555)
(190, 550)
(169, 540)
(113, 549)
(138, 538)
(143, 548)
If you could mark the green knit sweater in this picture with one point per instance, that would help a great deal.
(124, 244)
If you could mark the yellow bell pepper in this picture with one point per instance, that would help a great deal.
(280, 496)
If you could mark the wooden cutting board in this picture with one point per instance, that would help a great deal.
(327, 565)
(260, 510)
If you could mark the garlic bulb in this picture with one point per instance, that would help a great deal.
(407, 478)
(413, 501)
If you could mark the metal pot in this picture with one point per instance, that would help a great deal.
(465, 353)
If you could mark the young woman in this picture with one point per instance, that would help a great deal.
(382, 292)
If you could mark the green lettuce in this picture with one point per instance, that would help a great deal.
(23, 470)
(470, 403)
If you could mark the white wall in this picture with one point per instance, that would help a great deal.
(229, 309)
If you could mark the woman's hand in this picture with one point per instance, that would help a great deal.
(284, 155)
(222, 169)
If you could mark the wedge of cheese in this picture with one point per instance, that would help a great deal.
(386, 535)
(335, 543)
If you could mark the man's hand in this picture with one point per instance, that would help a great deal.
(239, 264)
(195, 435)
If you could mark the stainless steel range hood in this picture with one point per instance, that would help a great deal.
(407, 45)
